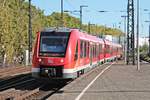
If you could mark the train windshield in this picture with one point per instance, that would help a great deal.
(53, 43)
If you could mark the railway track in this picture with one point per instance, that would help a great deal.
(24, 87)
(17, 85)
(13, 71)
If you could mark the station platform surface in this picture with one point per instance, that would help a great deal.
(118, 82)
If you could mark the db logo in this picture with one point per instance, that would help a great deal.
(50, 61)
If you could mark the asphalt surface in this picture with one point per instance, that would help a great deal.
(118, 82)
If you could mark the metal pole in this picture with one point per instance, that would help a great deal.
(80, 17)
(149, 34)
(62, 22)
(138, 55)
(30, 32)
(125, 39)
(89, 28)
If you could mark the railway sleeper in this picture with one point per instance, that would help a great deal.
(28, 94)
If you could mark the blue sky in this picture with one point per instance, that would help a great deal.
(112, 18)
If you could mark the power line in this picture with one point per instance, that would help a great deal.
(70, 4)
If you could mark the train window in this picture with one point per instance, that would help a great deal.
(111, 50)
(107, 49)
(117, 50)
(76, 52)
(90, 51)
(100, 48)
(53, 43)
(94, 51)
(82, 49)
(88, 48)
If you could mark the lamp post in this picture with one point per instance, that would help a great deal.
(81, 14)
(62, 15)
(30, 34)
(125, 38)
(138, 51)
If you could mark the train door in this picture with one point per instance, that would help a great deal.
(104, 51)
(91, 54)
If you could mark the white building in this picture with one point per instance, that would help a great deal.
(142, 41)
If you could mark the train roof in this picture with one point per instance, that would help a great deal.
(85, 36)
(58, 29)
(112, 43)
(82, 35)
(61, 29)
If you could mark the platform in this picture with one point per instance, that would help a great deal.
(118, 82)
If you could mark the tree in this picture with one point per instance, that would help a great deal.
(14, 26)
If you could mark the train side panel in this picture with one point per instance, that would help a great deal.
(71, 59)
(35, 60)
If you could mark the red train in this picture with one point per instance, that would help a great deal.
(68, 53)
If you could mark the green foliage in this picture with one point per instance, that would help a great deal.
(144, 49)
(144, 53)
(14, 26)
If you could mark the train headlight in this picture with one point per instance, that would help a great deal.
(61, 60)
(40, 60)
(46, 71)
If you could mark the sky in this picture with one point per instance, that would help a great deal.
(112, 18)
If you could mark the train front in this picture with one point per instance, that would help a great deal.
(49, 54)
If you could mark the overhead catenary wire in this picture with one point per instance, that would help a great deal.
(70, 4)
